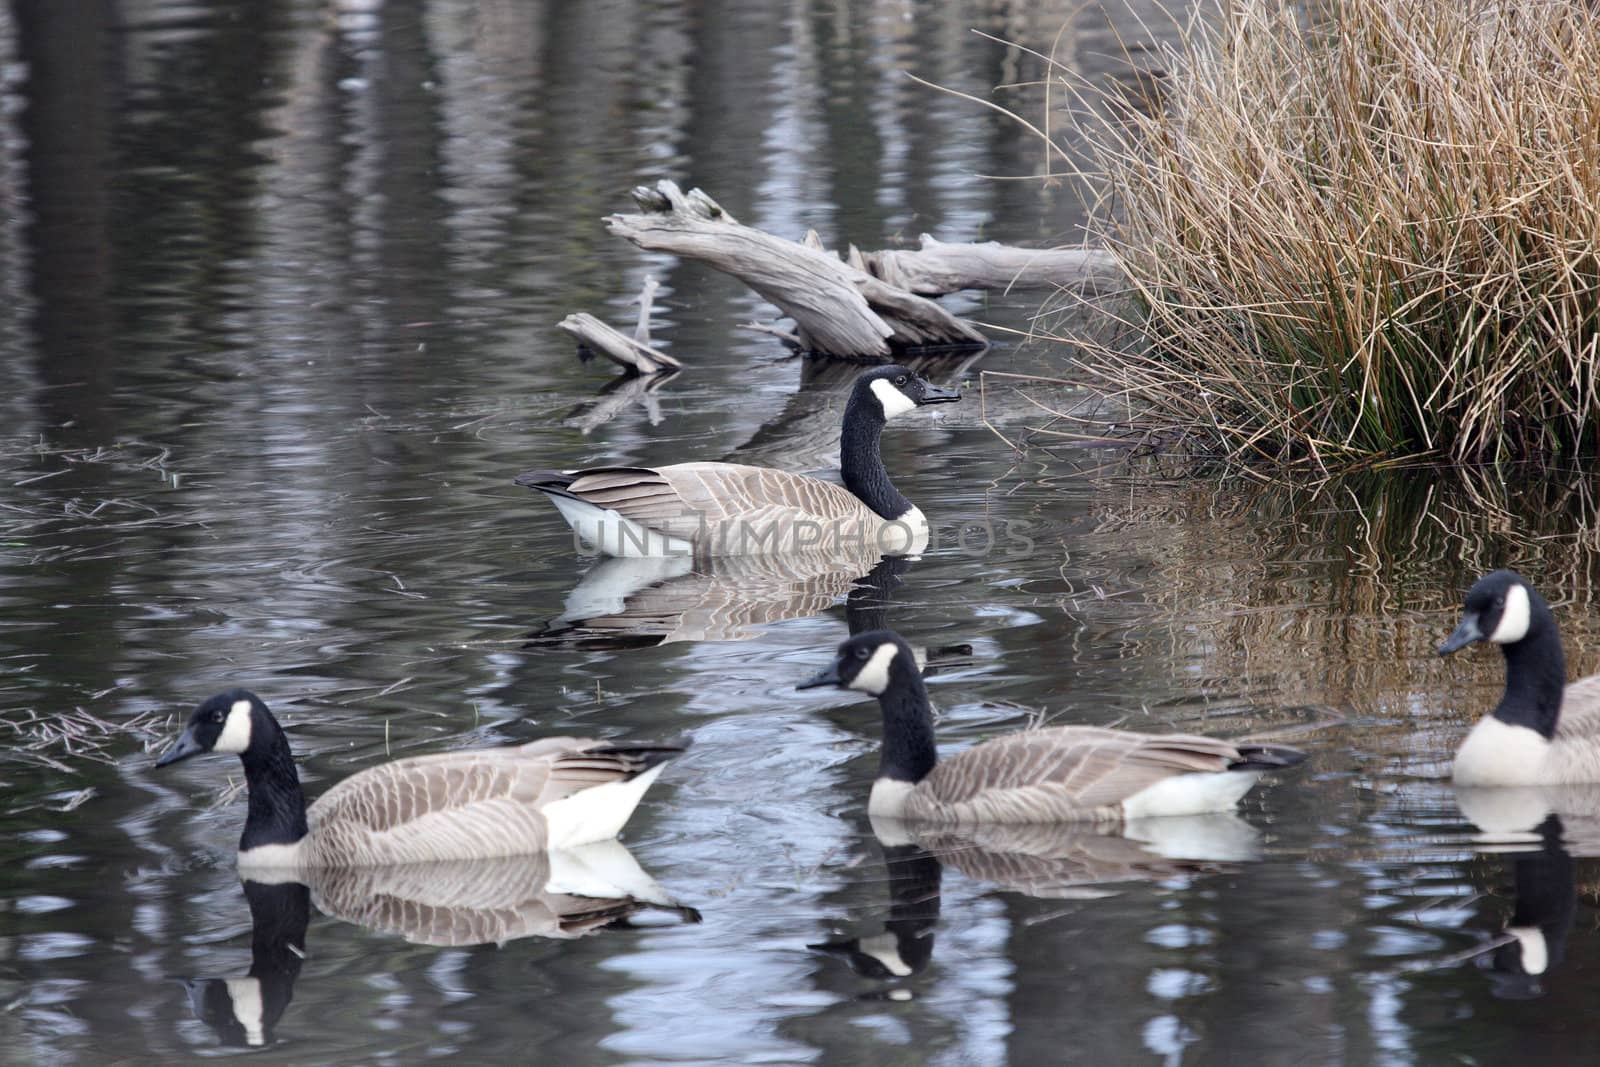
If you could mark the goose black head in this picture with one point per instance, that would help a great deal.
(894, 390)
(1502, 608)
(229, 722)
(867, 662)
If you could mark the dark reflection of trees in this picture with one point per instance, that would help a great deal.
(67, 121)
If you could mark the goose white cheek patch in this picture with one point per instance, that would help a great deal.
(235, 736)
(892, 400)
(873, 677)
(1514, 619)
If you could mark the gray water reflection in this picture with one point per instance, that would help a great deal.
(277, 292)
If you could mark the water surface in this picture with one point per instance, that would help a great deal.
(280, 282)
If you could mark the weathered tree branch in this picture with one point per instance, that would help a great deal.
(615, 345)
(937, 268)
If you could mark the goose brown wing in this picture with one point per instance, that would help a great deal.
(683, 498)
(1580, 710)
(1061, 772)
(392, 795)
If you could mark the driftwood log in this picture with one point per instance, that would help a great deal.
(837, 309)
(937, 268)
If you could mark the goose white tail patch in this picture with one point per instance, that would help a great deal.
(1514, 617)
(597, 813)
(892, 400)
(1198, 793)
(873, 677)
(235, 736)
(608, 532)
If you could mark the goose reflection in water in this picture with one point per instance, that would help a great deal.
(244, 1011)
(1545, 891)
(1526, 825)
(561, 895)
(641, 603)
(904, 947)
(1057, 861)
(1048, 861)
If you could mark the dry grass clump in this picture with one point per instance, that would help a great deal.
(1360, 229)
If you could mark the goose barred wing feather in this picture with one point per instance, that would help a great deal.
(1060, 774)
(1576, 751)
(681, 498)
(1580, 710)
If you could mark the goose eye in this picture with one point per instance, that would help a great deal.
(900, 380)
(216, 716)
(862, 653)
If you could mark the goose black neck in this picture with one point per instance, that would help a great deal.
(908, 749)
(277, 814)
(1536, 676)
(861, 463)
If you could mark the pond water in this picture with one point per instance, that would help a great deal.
(278, 285)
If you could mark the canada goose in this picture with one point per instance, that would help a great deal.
(556, 793)
(729, 509)
(1543, 731)
(1058, 774)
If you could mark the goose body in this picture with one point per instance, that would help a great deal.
(731, 509)
(556, 793)
(1063, 774)
(1543, 731)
